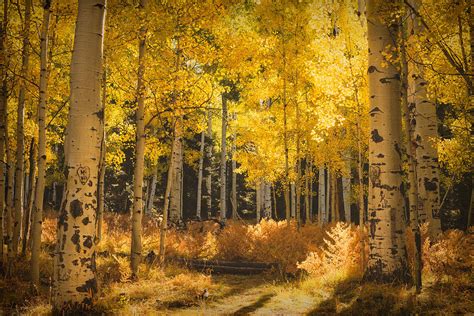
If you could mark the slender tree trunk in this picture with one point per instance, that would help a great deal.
(164, 221)
(306, 192)
(387, 255)
(286, 182)
(275, 210)
(311, 190)
(199, 186)
(75, 280)
(293, 199)
(267, 200)
(20, 136)
(410, 152)
(333, 192)
(10, 200)
(151, 195)
(208, 170)
(223, 199)
(346, 195)
(30, 196)
(137, 214)
(177, 157)
(321, 197)
(102, 166)
(3, 122)
(234, 175)
(258, 197)
(328, 196)
(146, 196)
(425, 126)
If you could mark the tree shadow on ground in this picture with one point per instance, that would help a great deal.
(353, 297)
(254, 306)
(239, 284)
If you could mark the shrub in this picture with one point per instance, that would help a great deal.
(339, 257)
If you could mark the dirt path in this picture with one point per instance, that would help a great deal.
(253, 295)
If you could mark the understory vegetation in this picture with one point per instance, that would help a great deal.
(320, 272)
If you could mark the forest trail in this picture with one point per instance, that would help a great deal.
(253, 295)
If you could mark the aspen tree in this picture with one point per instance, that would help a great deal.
(208, 196)
(201, 163)
(267, 200)
(20, 135)
(3, 122)
(102, 166)
(387, 255)
(411, 159)
(75, 279)
(164, 221)
(425, 128)
(234, 175)
(137, 213)
(223, 200)
(175, 207)
(346, 195)
(322, 197)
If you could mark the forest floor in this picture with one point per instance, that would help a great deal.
(448, 287)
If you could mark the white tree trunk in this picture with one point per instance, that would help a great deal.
(164, 221)
(346, 194)
(208, 196)
(387, 257)
(322, 197)
(425, 125)
(102, 166)
(29, 194)
(267, 200)
(411, 162)
(75, 282)
(328, 196)
(293, 199)
(223, 199)
(258, 202)
(137, 212)
(20, 136)
(234, 175)
(151, 194)
(200, 171)
(3, 122)
(177, 157)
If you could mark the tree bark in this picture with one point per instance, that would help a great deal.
(151, 195)
(30, 196)
(267, 200)
(293, 199)
(411, 154)
(387, 255)
(102, 166)
(328, 196)
(164, 221)
(234, 175)
(75, 280)
(223, 199)
(199, 186)
(137, 213)
(346, 194)
(20, 135)
(208, 170)
(3, 122)
(425, 127)
(175, 206)
(258, 202)
(321, 197)
(334, 205)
